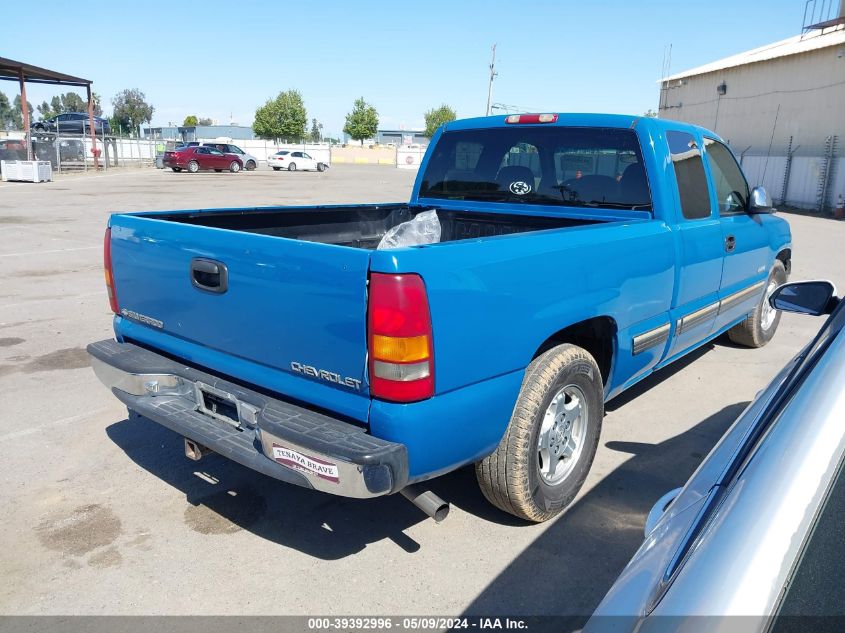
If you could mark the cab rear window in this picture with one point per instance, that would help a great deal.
(550, 165)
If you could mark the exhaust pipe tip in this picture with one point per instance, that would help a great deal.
(194, 450)
(427, 501)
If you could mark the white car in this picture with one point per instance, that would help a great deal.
(286, 159)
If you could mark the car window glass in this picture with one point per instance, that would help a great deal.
(568, 166)
(297, 154)
(730, 185)
(236, 150)
(213, 150)
(304, 155)
(201, 150)
(467, 155)
(523, 155)
(689, 172)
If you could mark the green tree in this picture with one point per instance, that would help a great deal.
(651, 114)
(7, 113)
(205, 121)
(17, 113)
(131, 109)
(190, 120)
(68, 102)
(436, 117)
(282, 118)
(316, 134)
(362, 122)
(98, 110)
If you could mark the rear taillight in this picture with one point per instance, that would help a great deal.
(400, 338)
(109, 272)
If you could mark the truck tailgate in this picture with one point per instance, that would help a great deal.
(289, 306)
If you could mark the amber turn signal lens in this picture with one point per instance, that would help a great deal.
(400, 349)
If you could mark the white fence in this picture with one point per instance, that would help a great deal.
(409, 156)
(262, 149)
(801, 186)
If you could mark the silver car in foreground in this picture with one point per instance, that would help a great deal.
(759, 529)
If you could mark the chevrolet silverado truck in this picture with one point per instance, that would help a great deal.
(573, 256)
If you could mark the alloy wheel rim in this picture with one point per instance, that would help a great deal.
(768, 313)
(562, 433)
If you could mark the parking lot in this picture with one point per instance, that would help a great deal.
(106, 516)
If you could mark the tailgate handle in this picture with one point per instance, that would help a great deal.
(209, 275)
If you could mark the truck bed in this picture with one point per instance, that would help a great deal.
(364, 226)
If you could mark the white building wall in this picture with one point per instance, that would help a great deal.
(809, 89)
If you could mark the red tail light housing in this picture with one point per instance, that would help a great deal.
(400, 344)
(109, 272)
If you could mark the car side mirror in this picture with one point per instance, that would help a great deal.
(760, 201)
(805, 297)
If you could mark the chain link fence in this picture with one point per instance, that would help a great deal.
(67, 152)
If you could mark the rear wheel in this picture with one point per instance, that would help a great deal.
(546, 452)
(292, 167)
(250, 165)
(321, 167)
(234, 167)
(193, 167)
(760, 326)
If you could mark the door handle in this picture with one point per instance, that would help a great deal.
(209, 275)
(730, 243)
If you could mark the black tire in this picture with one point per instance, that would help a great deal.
(234, 167)
(292, 167)
(277, 168)
(250, 165)
(752, 331)
(321, 167)
(512, 478)
(193, 167)
(176, 169)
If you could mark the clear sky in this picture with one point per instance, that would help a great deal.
(222, 59)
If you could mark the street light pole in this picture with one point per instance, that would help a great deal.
(493, 74)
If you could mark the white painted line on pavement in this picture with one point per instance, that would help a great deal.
(58, 250)
(63, 298)
(39, 427)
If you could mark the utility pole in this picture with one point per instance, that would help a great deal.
(493, 74)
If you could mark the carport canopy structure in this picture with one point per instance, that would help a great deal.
(10, 70)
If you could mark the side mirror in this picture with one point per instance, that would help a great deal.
(805, 297)
(760, 201)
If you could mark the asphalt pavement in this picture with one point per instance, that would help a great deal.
(103, 515)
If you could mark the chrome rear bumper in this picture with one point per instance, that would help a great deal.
(274, 437)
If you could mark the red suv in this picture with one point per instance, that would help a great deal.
(195, 158)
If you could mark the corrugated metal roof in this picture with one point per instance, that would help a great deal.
(791, 46)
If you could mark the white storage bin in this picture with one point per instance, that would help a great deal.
(27, 170)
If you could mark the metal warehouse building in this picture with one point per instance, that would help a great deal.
(780, 106)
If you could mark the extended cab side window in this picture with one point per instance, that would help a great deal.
(689, 172)
(728, 181)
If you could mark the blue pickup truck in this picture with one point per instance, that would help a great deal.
(573, 255)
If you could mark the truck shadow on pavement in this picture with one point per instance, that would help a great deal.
(573, 563)
(225, 497)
